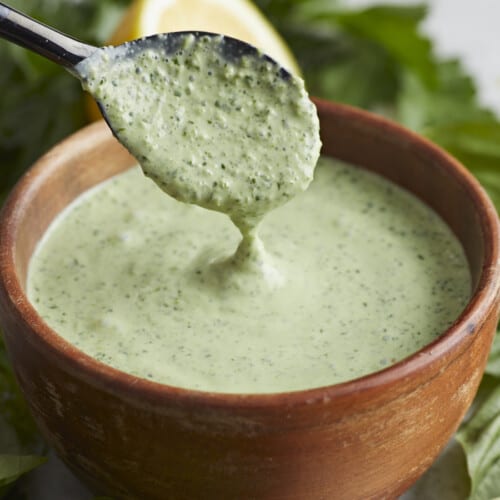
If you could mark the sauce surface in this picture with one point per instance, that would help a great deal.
(369, 275)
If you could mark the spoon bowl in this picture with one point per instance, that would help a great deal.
(230, 48)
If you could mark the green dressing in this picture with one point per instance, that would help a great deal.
(369, 275)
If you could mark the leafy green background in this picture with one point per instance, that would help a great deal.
(375, 58)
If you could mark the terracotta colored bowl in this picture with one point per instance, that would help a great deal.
(368, 438)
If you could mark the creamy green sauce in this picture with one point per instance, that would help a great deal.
(232, 134)
(362, 274)
(369, 275)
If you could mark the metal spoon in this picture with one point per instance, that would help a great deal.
(48, 42)
(68, 52)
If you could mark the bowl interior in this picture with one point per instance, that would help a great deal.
(93, 155)
(425, 170)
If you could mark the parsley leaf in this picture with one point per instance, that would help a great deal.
(40, 102)
(12, 467)
(480, 438)
(18, 433)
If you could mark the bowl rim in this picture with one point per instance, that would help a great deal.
(130, 387)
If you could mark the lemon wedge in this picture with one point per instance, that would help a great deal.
(237, 18)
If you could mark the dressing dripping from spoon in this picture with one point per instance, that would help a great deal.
(212, 120)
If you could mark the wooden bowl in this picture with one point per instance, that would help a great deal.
(368, 438)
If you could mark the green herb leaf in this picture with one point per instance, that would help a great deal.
(348, 75)
(19, 436)
(351, 55)
(451, 116)
(40, 102)
(493, 367)
(452, 100)
(477, 146)
(18, 433)
(12, 467)
(447, 479)
(480, 438)
(394, 29)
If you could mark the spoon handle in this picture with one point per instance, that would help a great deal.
(30, 34)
